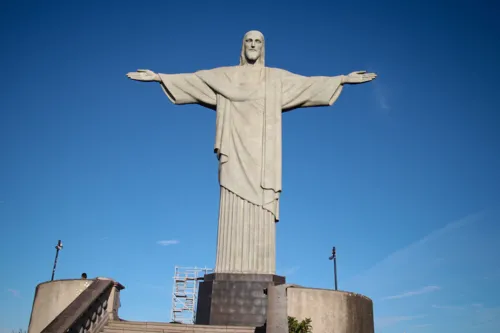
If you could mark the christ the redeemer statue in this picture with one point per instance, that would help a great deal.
(249, 100)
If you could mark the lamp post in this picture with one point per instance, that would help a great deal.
(334, 258)
(59, 247)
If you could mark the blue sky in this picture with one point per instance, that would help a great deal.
(402, 174)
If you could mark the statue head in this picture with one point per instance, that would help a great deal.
(253, 48)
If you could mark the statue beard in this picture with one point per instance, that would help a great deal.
(244, 60)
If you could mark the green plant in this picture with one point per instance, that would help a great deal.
(295, 326)
(19, 331)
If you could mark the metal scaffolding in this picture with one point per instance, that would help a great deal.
(185, 293)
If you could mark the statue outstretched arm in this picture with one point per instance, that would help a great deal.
(307, 91)
(179, 88)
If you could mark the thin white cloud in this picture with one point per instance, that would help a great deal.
(14, 292)
(382, 322)
(381, 93)
(424, 290)
(168, 242)
(289, 271)
(402, 255)
(438, 260)
(448, 307)
(154, 287)
(422, 326)
(487, 316)
(493, 276)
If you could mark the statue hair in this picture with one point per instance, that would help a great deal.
(261, 60)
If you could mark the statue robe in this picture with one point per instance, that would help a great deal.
(249, 102)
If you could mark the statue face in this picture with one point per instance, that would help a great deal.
(254, 41)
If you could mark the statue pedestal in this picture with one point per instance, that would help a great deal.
(234, 299)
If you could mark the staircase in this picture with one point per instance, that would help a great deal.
(121, 326)
(95, 310)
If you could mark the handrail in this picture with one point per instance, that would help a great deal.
(84, 310)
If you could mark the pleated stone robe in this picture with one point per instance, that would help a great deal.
(249, 101)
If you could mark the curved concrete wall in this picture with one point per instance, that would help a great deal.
(51, 298)
(330, 310)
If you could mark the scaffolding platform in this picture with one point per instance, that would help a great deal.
(185, 293)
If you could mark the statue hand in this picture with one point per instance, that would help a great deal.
(144, 75)
(359, 77)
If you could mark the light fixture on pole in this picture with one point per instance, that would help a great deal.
(59, 247)
(334, 258)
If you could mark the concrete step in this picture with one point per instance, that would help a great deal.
(140, 330)
(155, 327)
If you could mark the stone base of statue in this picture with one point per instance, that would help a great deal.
(234, 299)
